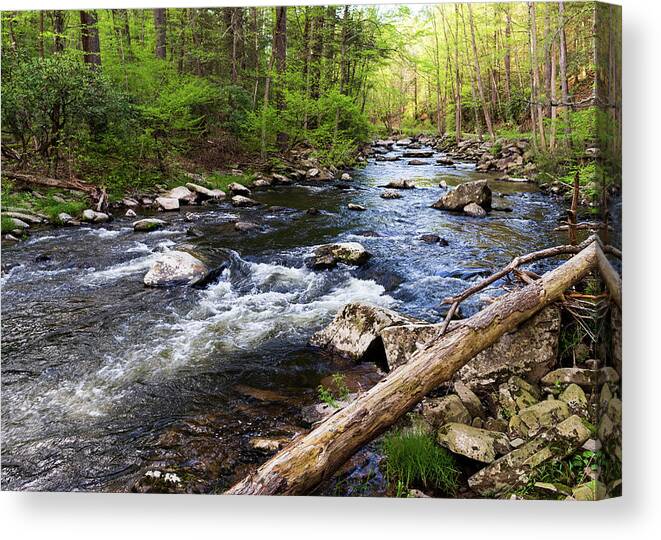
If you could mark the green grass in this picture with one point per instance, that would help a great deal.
(413, 459)
(7, 224)
(48, 205)
(221, 181)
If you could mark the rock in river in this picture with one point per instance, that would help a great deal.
(94, 217)
(182, 194)
(205, 192)
(238, 189)
(358, 207)
(477, 192)
(167, 203)
(400, 184)
(390, 194)
(176, 268)
(241, 201)
(329, 255)
(148, 224)
(474, 210)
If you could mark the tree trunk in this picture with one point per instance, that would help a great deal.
(280, 57)
(507, 59)
(564, 86)
(58, 28)
(89, 35)
(314, 457)
(478, 76)
(160, 22)
(535, 105)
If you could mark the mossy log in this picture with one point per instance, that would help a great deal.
(315, 456)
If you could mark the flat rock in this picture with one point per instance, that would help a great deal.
(242, 202)
(148, 224)
(477, 192)
(400, 184)
(244, 226)
(358, 207)
(182, 194)
(418, 162)
(470, 400)
(581, 376)
(356, 328)
(418, 154)
(206, 193)
(474, 443)
(391, 194)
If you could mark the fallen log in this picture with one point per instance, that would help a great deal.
(97, 194)
(314, 457)
(610, 276)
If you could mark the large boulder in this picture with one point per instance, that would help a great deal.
(477, 192)
(530, 351)
(176, 268)
(238, 189)
(354, 331)
(474, 443)
(330, 255)
(515, 468)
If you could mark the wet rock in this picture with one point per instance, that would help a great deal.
(130, 203)
(445, 161)
(238, 189)
(581, 376)
(445, 410)
(418, 162)
(443, 184)
(574, 397)
(515, 468)
(474, 443)
(10, 238)
(245, 226)
(94, 217)
(346, 177)
(260, 183)
(434, 239)
(418, 154)
(368, 234)
(281, 179)
(330, 255)
(312, 212)
(167, 203)
(206, 193)
(391, 194)
(176, 268)
(25, 217)
(477, 192)
(130, 213)
(529, 422)
(474, 210)
(358, 207)
(529, 351)
(182, 194)
(355, 330)
(242, 202)
(148, 224)
(64, 218)
(400, 184)
(470, 400)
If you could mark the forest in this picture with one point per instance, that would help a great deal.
(341, 250)
(130, 98)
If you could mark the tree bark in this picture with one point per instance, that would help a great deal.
(160, 21)
(58, 29)
(280, 58)
(314, 457)
(564, 86)
(89, 35)
(537, 111)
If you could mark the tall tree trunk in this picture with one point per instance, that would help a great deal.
(553, 98)
(58, 27)
(41, 34)
(478, 76)
(89, 34)
(536, 106)
(457, 95)
(507, 59)
(280, 56)
(564, 86)
(160, 25)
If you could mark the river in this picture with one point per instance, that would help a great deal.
(104, 379)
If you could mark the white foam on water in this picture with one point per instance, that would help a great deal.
(271, 302)
(128, 268)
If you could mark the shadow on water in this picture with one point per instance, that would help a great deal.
(104, 379)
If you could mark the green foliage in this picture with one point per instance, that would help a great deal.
(49, 103)
(341, 388)
(327, 397)
(7, 224)
(339, 391)
(414, 459)
(221, 181)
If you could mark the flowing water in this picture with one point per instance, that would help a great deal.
(104, 379)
